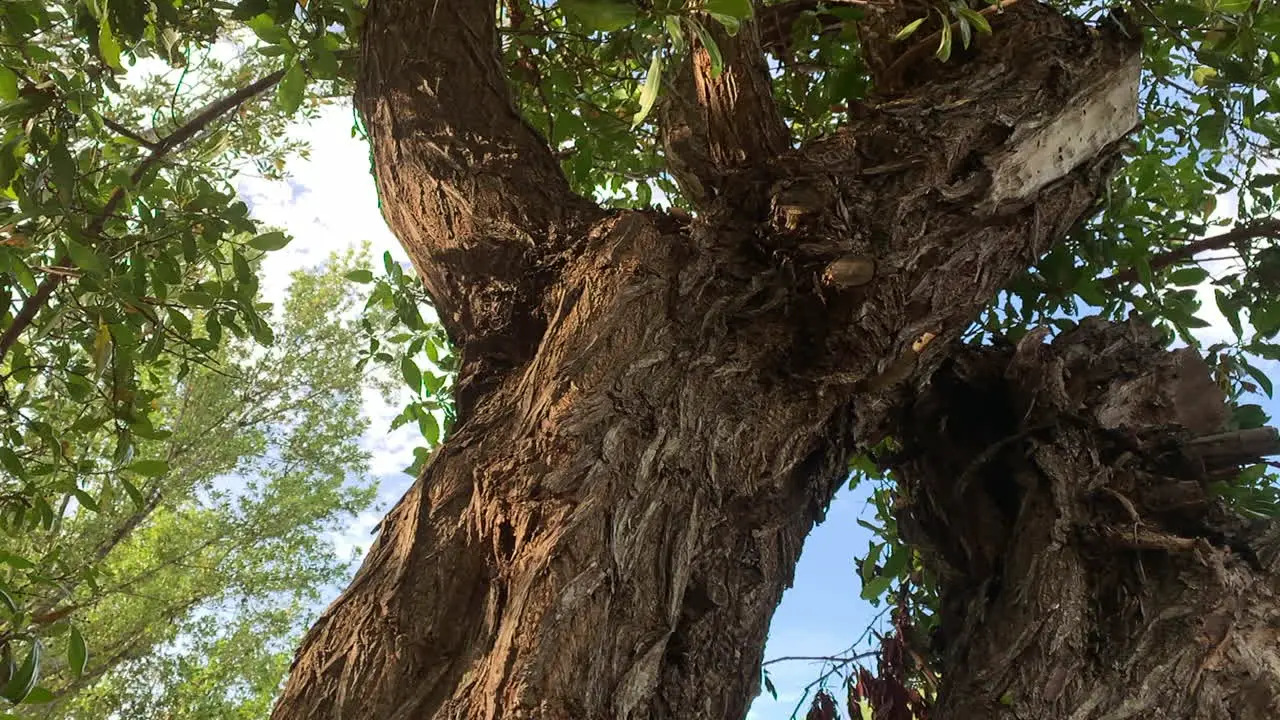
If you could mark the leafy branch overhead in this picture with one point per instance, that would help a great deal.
(129, 268)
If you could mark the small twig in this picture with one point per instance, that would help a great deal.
(131, 134)
(1173, 35)
(866, 633)
(45, 290)
(840, 660)
(1266, 228)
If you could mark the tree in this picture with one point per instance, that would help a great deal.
(876, 205)
(190, 576)
(654, 409)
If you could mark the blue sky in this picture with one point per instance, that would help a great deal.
(330, 204)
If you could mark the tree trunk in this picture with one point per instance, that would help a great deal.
(653, 413)
(1085, 570)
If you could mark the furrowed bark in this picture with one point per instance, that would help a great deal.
(714, 123)
(658, 416)
(1087, 571)
(470, 188)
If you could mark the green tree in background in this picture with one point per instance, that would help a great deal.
(886, 221)
(188, 574)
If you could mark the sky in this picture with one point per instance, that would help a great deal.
(329, 204)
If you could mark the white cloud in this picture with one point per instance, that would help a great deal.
(329, 204)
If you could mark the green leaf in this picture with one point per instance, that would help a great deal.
(943, 52)
(15, 561)
(108, 47)
(77, 652)
(292, 87)
(9, 604)
(976, 19)
(896, 562)
(26, 278)
(360, 276)
(149, 468)
(875, 588)
(911, 27)
(730, 23)
(412, 375)
(868, 567)
(1188, 276)
(672, 23)
(83, 257)
(1248, 417)
(740, 9)
(649, 94)
(133, 492)
(181, 324)
(1203, 75)
(244, 273)
(709, 44)
(430, 428)
(601, 15)
(8, 84)
(197, 299)
(12, 465)
(64, 172)
(24, 681)
(269, 241)
(37, 696)
(1230, 310)
(86, 500)
(1259, 377)
(966, 32)
(264, 26)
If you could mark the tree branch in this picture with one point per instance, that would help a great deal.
(133, 135)
(776, 21)
(1265, 228)
(1235, 448)
(712, 124)
(839, 660)
(471, 190)
(200, 121)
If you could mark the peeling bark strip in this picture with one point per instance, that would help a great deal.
(653, 414)
(1086, 571)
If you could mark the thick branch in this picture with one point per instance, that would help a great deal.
(713, 124)
(467, 185)
(200, 121)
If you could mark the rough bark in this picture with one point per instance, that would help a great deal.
(653, 413)
(1085, 568)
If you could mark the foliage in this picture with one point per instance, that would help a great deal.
(403, 344)
(129, 284)
(194, 568)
